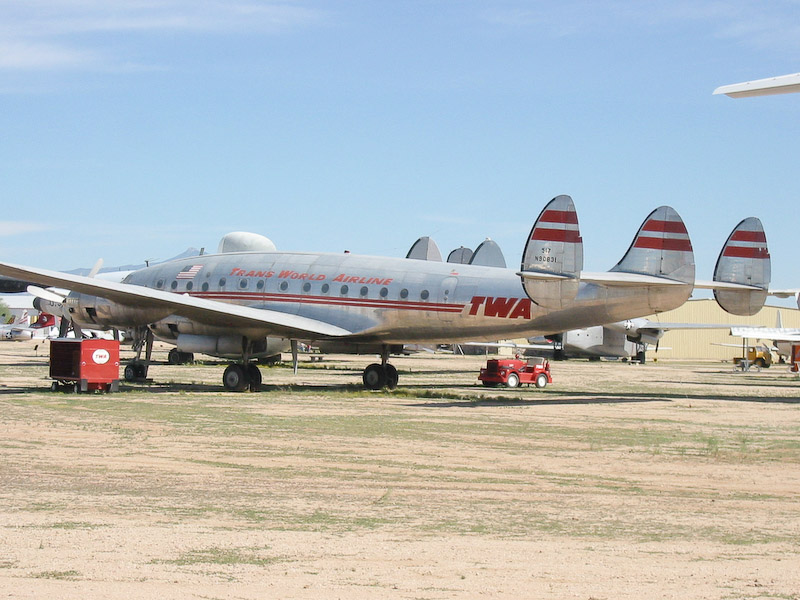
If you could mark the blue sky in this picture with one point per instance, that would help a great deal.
(133, 129)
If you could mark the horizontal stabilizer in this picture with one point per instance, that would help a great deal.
(768, 333)
(554, 248)
(744, 260)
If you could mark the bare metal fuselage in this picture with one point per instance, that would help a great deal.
(377, 299)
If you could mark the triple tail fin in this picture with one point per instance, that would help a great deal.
(744, 260)
(553, 255)
(661, 248)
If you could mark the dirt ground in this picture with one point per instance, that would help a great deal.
(618, 481)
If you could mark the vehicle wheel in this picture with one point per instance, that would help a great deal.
(374, 377)
(392, 376)
(54, 386)
(513, 380)
(541, 380)
(254, 375)
(235, 378)
(131, 372)
(489, 383)
(174, 357)
(141, 370)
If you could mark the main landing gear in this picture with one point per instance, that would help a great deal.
(384, 375)
(239, 377)
(136, 370)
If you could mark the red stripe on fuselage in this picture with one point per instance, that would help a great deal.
(331, 301)
(664, 226)
(540, 234)
(655, 243)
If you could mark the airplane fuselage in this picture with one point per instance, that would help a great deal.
(380, 300)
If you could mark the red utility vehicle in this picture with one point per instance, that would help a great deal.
(514, 372)
(84, 365)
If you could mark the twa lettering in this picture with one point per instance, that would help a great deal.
(356, 279)
(507, 308)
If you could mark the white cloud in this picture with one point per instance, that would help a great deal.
(9, 228)
(53, 34)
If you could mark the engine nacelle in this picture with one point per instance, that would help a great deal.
(98, 313)
(229, 346)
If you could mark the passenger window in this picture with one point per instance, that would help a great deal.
(325, 288)
(424, 294)
(243, 283)
(205, 286)
(404, 293)
(364, 291)
(344, 290)
(222, 282)
(260, 284)
(174, 285)
(189, 285)
(284, 286)
(160, 284)
(384, 292)
(306, 287)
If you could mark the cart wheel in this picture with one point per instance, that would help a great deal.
(76, 387)
(54, 386)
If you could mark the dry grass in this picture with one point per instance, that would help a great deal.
(618, 481)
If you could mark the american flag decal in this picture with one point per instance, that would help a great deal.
(189, 272)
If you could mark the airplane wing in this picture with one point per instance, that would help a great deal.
(776, 334)
(785, 84)
(198, 309)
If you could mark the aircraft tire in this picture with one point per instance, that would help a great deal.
(254, 376)
(512, 381)
(374, 377)
(235, 378)
(541, 381)
(134, 371)
(392, 376)
(174, 357)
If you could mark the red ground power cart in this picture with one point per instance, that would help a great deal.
(513, 372)
(84, 365)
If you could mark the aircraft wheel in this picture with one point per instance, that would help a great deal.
(392, 376)
(374, 377)
(513, 380)
(541, 380)
(134, 371)
(254, 375)
(235, 378)
(641, 356)
(174, 357)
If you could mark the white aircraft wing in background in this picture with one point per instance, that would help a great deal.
(785, 84)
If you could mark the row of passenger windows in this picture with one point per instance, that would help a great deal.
(284, 286)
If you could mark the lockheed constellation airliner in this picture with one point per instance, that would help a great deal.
(237, 303)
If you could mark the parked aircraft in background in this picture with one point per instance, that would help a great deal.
(237, 302)
(785, 84)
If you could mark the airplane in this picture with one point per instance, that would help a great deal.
(771, 86)
(237, 302)
(44, 326)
